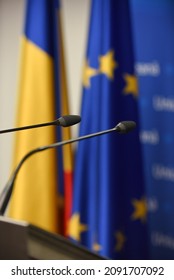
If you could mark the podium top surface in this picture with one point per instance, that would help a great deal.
(21, 240)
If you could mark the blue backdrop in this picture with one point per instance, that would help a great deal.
(153, 31)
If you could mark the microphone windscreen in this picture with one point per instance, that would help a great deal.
(125, 126)
(69, 120)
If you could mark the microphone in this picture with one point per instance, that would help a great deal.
(122, 127)
(125, 126)
(64, 121)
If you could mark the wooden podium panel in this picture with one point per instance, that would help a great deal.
(20, 240)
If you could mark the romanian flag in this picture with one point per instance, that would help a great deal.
(109, 205)
(42, 98)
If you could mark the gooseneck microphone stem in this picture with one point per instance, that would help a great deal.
(7, 191)
(27, 127)
(64, 121)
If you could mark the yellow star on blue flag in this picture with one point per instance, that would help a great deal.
(88, 73)
(75, 228)
(131, 86)
(108, 64)
(140, 209)
(120, 240)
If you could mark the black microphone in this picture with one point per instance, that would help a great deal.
(64, 121)
(125, 126)
(122, 127)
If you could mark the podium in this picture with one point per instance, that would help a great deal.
(23, 241)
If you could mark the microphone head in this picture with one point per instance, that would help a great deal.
(68, 120)
(125, 126)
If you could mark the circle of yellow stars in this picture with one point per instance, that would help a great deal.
(107, 66)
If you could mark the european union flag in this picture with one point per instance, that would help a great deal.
(109, 206)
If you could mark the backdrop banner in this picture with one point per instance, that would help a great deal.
(153, 29)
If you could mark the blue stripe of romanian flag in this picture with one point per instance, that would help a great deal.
(40, 28)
